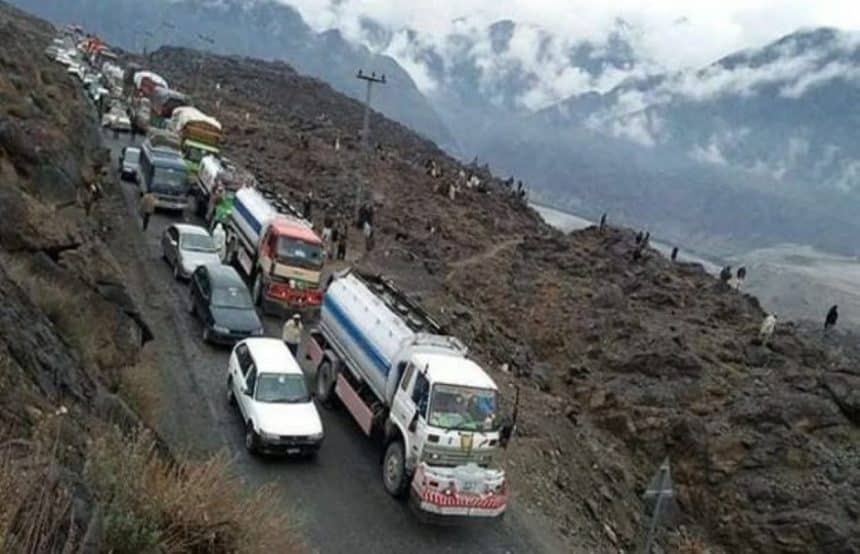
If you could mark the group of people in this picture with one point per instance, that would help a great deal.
(739, 276)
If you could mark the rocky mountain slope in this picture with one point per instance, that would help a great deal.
(622, 362)
(265, 29)
(79, 470)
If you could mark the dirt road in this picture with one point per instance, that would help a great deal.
(338, 497)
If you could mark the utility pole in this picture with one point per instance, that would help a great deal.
(365, 127)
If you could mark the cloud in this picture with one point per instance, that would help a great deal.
(675, 36)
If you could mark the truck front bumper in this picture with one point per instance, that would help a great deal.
(429, 495)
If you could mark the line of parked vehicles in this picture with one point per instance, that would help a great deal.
(373, 350)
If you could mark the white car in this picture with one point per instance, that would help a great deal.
(187, 247)
(268, 386)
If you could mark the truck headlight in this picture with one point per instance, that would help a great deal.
(317, 436)
(221, 329)
(292, 283)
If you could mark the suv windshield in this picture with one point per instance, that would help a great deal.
(197, 243)
(168, 179)
(463, 408)
(235, 298)
(300, 253)
(281, 388)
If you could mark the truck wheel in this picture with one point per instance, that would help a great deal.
(325, 384)
(251, 440)
(394, 476)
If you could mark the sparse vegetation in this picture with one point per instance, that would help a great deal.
(152, 505)
(140, 388)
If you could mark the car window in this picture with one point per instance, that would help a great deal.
(251, 378)
(279, 388)
(236, 298)
(244, 358)
(197, 243)
(407, 375)
(420, 393)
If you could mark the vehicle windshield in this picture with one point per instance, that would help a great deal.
(463, 408)
(169, 179)
(279, 388)
(132, 155)
(194, 154)
(197, 243)
(234, 298)
(300, 253)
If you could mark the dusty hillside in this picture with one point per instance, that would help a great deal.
(79, 471)
(622, 362)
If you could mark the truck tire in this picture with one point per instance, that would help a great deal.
(326, 378)
(394, 477)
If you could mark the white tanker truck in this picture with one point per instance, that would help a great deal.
(436, 411)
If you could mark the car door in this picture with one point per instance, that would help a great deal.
(420, 397)
(241, 362)
(173, 243)
(167, 242)
(247, 394)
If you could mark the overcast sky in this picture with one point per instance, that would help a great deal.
(678, 33)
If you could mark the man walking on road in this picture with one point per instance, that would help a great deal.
(147, 208)
(291, 333)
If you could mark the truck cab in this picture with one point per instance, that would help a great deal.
(290, 266)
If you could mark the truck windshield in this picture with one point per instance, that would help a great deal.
(281, 388)
(299, 253)
(463, 408)
(169, 180)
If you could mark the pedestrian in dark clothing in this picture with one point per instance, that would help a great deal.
(307, 206)
(830, 320)
(602, 222)
(647, 239)
(674, 253)
(726, 274)
(147, 208)
(741, 275)
(133, 134)
(639, 237)
(341, 247)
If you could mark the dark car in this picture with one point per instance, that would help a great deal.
(129, 161)
(220, 299)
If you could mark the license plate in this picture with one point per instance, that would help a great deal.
(469, 486)
(293, 450)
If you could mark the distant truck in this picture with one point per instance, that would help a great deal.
(278, 252)
(435, 410)
(163, 172)
(200, 135)
(219, 173)
(164, 101)
(145, 84)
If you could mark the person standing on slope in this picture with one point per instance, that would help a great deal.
(830, 320)
(767, 328)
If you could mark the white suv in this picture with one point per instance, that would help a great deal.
(268, 386)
